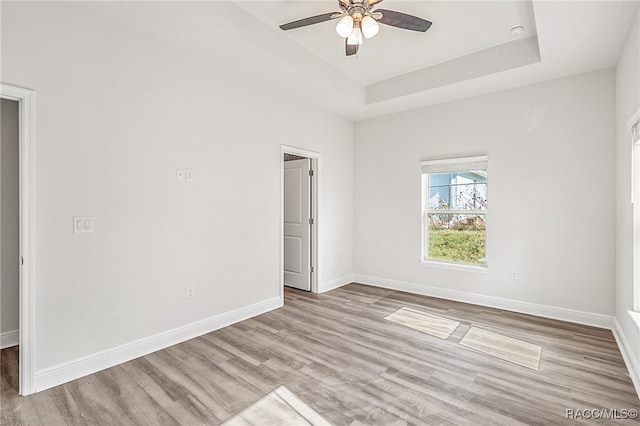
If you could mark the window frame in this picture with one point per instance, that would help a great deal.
(451, 165)
(634, 130)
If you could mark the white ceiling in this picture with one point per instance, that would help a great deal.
(459, 28)
(468, 51)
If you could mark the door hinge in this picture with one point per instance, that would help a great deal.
(21, 261)
(310, 172)
(310, 221)
(312, 269)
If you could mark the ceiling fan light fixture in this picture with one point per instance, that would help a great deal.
(370, 26)
(355, 38)
(345, 26)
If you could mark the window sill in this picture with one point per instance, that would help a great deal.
(635, 316)
(455, 266)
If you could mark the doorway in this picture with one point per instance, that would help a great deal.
(299, 222)
(19, 104)
(9, 243)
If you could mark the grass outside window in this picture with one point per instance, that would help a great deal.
(454, 210)
(464, 245)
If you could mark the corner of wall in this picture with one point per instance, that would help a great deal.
(325, 286)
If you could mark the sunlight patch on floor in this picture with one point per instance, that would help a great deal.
(280, 407)
(503, 347)
(424, 322)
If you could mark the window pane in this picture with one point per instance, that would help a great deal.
(463, 190)
(457, 237)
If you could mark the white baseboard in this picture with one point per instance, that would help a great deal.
(9, 338)
(65, 372)
(335, 283)
(633, 364)
(563, 314)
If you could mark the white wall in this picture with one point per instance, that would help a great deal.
(9, 219)
(627, 103)
(116, 114)
(551, 188)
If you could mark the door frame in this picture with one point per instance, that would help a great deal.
(315, 185)
(26, 105)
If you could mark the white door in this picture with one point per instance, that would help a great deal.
(297, 224)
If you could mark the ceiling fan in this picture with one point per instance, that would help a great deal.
(357, 19)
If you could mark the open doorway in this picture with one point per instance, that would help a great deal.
(9, 243)
(18, 104)
(299, 219)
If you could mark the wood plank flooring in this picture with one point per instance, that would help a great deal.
(337, 353)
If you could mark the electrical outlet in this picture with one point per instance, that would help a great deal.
(189, 292)
(180, 175)
(82, 224)
(513, 274)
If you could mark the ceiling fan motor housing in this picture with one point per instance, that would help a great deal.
(357, 12)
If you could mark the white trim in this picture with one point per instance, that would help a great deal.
(635, 200)
(299, 151)
(634, 119)
(315, 197)
(482, 159)
(466, 267)
(9, 339)
(635, 316)
(632, 363)
(26, 99)
(67, 371)
(580, 317)
(335, 283)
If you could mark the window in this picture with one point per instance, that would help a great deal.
(635, 139)
(454, 210)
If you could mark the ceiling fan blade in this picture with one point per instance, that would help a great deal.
(350, 49)
(370, 3)
(310, 20)
(404, 21)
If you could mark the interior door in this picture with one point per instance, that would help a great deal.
(297, 224)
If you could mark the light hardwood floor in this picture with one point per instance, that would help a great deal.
(337, 353)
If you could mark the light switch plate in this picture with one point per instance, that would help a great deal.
(191, 175)
(82, 224)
